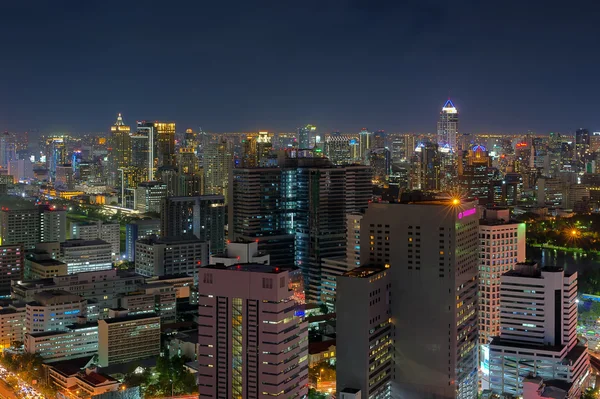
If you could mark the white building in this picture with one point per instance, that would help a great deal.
(501, 247)
(86, 256)
(170, 255)
(12, 325)
(109, 232)
(78, 340)
(538, 336)
(102, 288)
(241, 252)
(159, 298)
(53, 311)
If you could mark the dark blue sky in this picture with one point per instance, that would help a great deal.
(248, 65)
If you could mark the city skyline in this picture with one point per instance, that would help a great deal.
(242, 67)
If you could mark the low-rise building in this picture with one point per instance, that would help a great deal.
(78, 340)
(98, 230)
(137, 230)
(170, 255)
(127, 338)
(11, 266)
(86, 255)
(73, 377)
(103, 288)
(39, 264)
(152, 298)
(12, 325)
(53, 311)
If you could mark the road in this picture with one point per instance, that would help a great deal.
(6, 391)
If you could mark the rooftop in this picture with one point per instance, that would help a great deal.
(251, 267)
(131, 318)
(82, 243)
(170, 240)
(364, 271)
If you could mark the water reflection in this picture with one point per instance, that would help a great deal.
(572, 261)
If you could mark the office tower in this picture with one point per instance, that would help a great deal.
(21, 169)
(137, 230)
(218, 162)
(144, 142)
(379, 139)
(202, 216)
(22, 222)
(475, 173)
(380, 162)
(159, 298)
(582, 148)
(8, 148)
(249, 157)
(400, 150)
(109, 232)
(262, 209)
(12, 325)
(170, 256)
(12, 264)
(125, 338)
(324, 196)
(365, 143)
(263, 149)
(241, 252)
(76, 341)
(365, 336)
(431, 247)
(53, 311)
(56, 153)
(304, 136)
(102, 287)
(119, 149)
(338, 149)
(187, 161)
(165, 132)
(64, 177)
(247, 327)
(447, 128)
(86, 255)
(140, 155)
(538, 331)
(429, 166)
(149, 195)
(501, 247)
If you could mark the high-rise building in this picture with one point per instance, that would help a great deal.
(149, 195)
(298, 209)
(251, 341)
(145, 142)
(21, 222)
(431, 249)
(170, 256)
(136, 230)
(365, 336)
(429, 167)
(86, 255)
(304, 136)
(338, 149)
(12, 265)
(475, 173)
(218, 162)
(126, 338)
(241, 252)
(165, 132)
(187, 161)
(501, 247)
(447, 128)
(119, 149)
(365, 143)
(538, 331)
(203, 216)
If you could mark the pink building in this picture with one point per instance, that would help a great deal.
(252, 343)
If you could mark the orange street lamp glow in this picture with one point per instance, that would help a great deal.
(455, 201)
(573, 232)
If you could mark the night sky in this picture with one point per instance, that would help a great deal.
(247, 65)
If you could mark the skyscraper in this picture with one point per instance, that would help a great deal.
(365, 335)
(538, 331)
(146, 148)
(165, 132)
(501, 247)
(431, 249)
(447, 129)
(119, 150)
(252, 343)
(218, 162)
(365, 143)
(203, 216)
(304, 136)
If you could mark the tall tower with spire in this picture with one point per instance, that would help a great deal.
(119, 148)
(447, 128)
